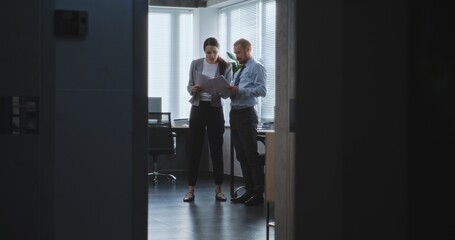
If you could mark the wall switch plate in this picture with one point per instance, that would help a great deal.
(71, 23)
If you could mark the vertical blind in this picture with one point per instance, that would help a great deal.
(170, 44)
(254, 21)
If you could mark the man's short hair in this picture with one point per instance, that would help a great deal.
(243, 43)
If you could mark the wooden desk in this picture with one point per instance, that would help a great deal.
(184, 126)
(269, 167)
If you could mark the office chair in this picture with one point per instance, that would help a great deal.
(161, 142)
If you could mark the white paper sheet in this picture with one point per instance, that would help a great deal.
(202, 80)
(220, 84)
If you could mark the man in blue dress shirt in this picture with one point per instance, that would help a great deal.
(247, 85)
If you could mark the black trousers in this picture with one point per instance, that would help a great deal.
(244, 137)
(205, 118)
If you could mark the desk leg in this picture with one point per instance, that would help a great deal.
(232, 166)
(267, 222)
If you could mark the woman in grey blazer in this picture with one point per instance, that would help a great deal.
(206, 115)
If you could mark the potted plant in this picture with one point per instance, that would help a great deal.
(235, 64)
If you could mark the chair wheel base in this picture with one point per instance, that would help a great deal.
(170, 177)
(236, 191)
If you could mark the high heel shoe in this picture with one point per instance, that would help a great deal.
(189, 197)
(219, 196)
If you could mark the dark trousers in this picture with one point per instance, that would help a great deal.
(244, 137)
(205, 118)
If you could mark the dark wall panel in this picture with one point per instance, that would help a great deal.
(20, 150)
(432, 120)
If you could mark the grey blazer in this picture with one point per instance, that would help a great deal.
(196, 66)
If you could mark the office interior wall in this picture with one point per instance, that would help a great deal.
(95, 84)
(375, 120)
(352, 137)
(431, 120)
(391, 178)
(26, 64)
(286, 77)
(178, 3)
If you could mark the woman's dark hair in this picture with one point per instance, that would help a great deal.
(221, 62)
(212, 42)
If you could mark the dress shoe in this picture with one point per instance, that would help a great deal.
(255, 200)
(219, 196)
(189, 197)
(242, 198)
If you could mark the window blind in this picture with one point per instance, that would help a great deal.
(170, 53)
(255, 21)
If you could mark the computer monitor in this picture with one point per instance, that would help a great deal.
(154, 104)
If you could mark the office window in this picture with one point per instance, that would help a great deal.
(170, 46)
(255, 21)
